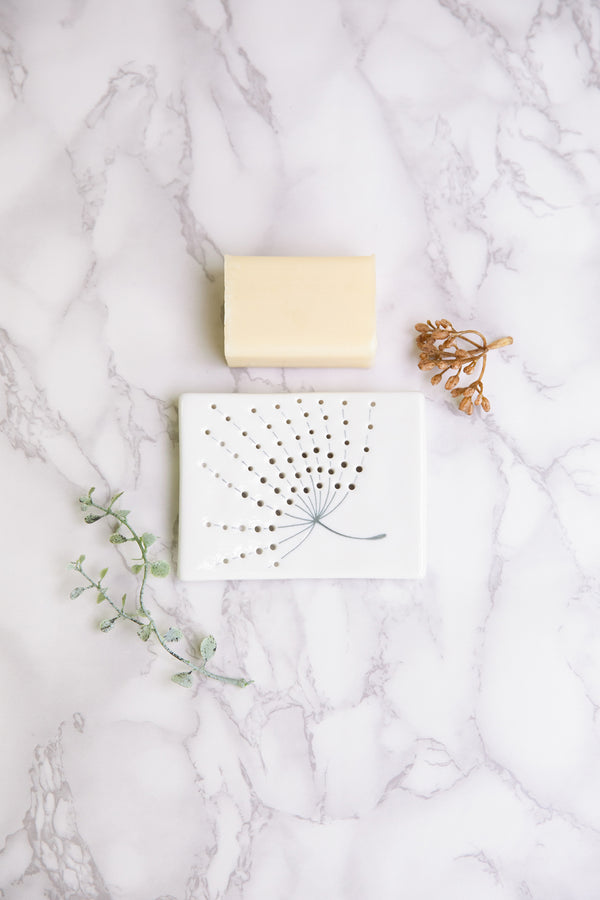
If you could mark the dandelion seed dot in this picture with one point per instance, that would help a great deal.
(260, 503)
(290, 502)
(242, 556)
(366, 449)
(271, 528)
(319, 485)
(282, 474)
(272, 546)
(257, 528)
(373, 403)
(331, 471)
(263, 480)
(207, 431)
(306, 490)
(244, 494)
(351, 487)
(277, 490)
(359, 468)
(228, 418)
(259, 550)
(330, 456)
(213, 405)
(272, 461)
(225, 561)
(337, 486)
(344, 464)
(278, 512)
(275, 563)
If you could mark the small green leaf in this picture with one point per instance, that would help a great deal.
(100, 598)
(81, 559)
(208, 647)
(91, 491)
(183, 678)
(145, 632)
(103, 573)
(91, 519)
(116, 497)
(107, 624)
(137, 568)
(85, 501)
(117, 538)
(123, 600)
(148, 538)
(76, 592)
(122, 513)
(173, 634)
(160, 568)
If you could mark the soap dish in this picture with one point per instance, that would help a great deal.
(318, 485)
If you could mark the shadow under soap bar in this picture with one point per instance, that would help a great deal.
(300, 311)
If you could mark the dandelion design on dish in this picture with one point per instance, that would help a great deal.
(286, 468)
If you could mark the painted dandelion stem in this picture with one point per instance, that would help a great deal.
(291, 464)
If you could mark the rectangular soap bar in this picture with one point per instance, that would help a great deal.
(300, 311)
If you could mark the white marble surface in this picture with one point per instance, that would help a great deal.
(402, 739)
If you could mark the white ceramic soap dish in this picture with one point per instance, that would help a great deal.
(316, 485)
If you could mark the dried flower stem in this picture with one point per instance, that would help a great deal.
(442, 347)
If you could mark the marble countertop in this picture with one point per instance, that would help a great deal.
(414, 739)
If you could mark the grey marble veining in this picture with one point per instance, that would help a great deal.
(401, 739)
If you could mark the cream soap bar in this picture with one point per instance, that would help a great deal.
(300, 310)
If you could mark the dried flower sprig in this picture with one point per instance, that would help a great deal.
(141, 616)
(459, 352)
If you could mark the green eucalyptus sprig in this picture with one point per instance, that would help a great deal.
(141, 615)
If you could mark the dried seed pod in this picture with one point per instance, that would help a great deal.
(441, 347)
